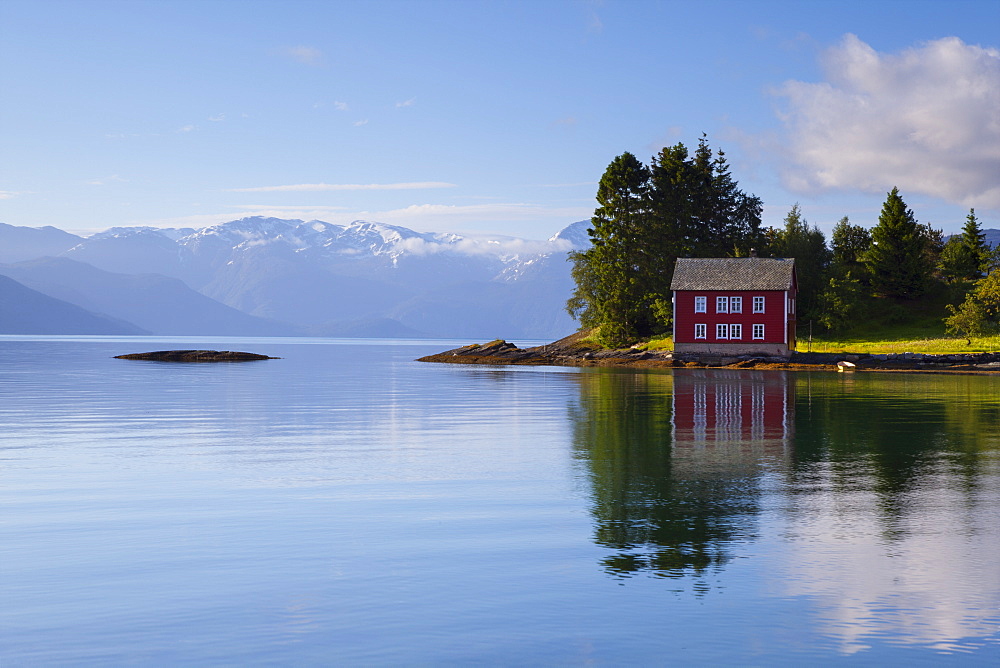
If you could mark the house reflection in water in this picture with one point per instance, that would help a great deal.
(740, 411)
(675, 463)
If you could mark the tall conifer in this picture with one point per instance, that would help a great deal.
(613, 262)
(897, 260)
(974, 239)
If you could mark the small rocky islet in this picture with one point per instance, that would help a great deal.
(570, 351)
(195, 356)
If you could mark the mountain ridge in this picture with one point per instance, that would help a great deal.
(318, 277)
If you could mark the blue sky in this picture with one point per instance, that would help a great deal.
(489, 117)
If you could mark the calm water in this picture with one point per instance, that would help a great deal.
(346, 505)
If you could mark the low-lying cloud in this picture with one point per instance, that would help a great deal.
(926, 120)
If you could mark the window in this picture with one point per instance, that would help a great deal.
(758, 304)
(701, 304)
(791, 305)
(736, 331)
(736, 304)
(722, 304)
(758, 332)
(700, 331)
(722, 331)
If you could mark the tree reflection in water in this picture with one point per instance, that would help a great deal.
(674, 462)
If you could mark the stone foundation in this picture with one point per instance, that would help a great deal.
(758, 349)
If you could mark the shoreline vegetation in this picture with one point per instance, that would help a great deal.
(582, 350)
(897, 274)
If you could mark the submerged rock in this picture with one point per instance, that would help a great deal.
(195, 356)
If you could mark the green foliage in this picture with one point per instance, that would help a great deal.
(842, 303)
(681, 206)
(958, 261)
(987, 291)
(979, 314)
(611, 269)
(812, 258)
(851, 244)
(966, 256)
(969, 319)
(898, 259)
(585, 292)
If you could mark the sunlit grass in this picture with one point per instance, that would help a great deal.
(899, 340)
(936, 346)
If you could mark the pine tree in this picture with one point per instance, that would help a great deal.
(611, 292)
(726, 219)
(668, 232)
(850, 246)
(975, 241)
(812, 258)
(682, 206)
(897, 260)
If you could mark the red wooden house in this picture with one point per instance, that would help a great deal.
(734, 306)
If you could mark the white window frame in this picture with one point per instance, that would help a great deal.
(758, 332)
(736, 304)
(701, 304)
(722, 331)
(722, 304)
(758, 304)
(735, 331)
(700, 330)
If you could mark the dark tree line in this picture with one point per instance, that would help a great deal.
(681, 205)
(684, 205)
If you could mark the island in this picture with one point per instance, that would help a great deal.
(195, 356)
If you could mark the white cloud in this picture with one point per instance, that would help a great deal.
(186, 128)
(407, 103)
(358, 124)
(217, 118)
(525, 220)
(445, 216)
(307, 55)
(493, 245)
(314, 187)
(340, 106)
(8, 194)
(926, 120)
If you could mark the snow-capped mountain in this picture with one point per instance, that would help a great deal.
(330, 278)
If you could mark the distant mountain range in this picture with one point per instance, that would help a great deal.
(267, 276)
(273, 277)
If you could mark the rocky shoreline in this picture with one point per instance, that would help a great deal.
(570, 352)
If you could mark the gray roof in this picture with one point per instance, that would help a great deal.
(733, 273)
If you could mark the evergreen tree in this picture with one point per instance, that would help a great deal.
(682, 206)
(851, 244)
(966, 256)
(726, 220)
(958, 263)
(898, 259)
(975, 241)
(611, 290)
(812, 258)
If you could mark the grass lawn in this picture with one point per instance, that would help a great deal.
(900, 340)
(936, 346)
